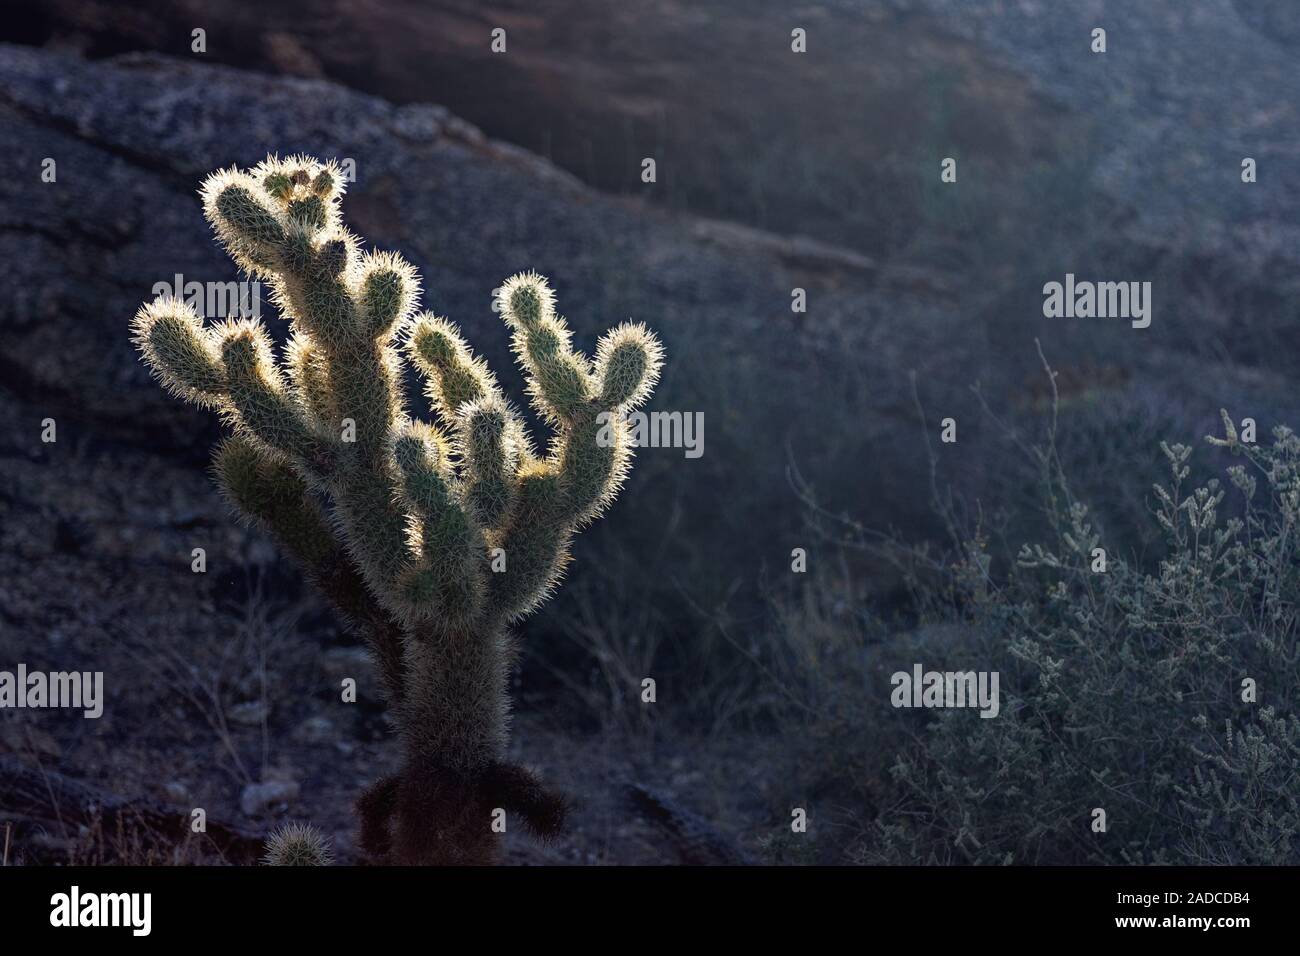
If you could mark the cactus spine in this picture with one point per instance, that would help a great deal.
(297, 844)
(397, 520)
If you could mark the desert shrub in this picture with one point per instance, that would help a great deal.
(1124, 689)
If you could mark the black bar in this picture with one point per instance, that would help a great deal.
(239, 905)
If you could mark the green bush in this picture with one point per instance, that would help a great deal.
(1122, 690)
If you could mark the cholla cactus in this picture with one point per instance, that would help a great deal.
(297, 844)
(430, 538)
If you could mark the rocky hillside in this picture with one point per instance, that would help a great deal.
(804, 178)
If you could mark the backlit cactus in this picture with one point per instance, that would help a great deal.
(430, 537)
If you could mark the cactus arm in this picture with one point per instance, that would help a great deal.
(628, 361)
(490, 436)
(449, 573)
(388, 291)
(308, 372)
(559, 378)
(273, 495)
(265, 488)
(491, 443)
(590, 453)
(261, 403)
(180, 352)
(535, 543)
(592, 449)
(596, 452)
(453, 375)
(229, 368)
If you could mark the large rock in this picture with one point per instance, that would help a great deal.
(836, 143)
(828, 144)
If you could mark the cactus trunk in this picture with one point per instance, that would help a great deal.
(455, 713)
(454, 730)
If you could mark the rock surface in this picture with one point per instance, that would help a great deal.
(828, 143)
(258, 798)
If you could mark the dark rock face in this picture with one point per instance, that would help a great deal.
(1275, 20)
(825, 144)
(828, 143)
